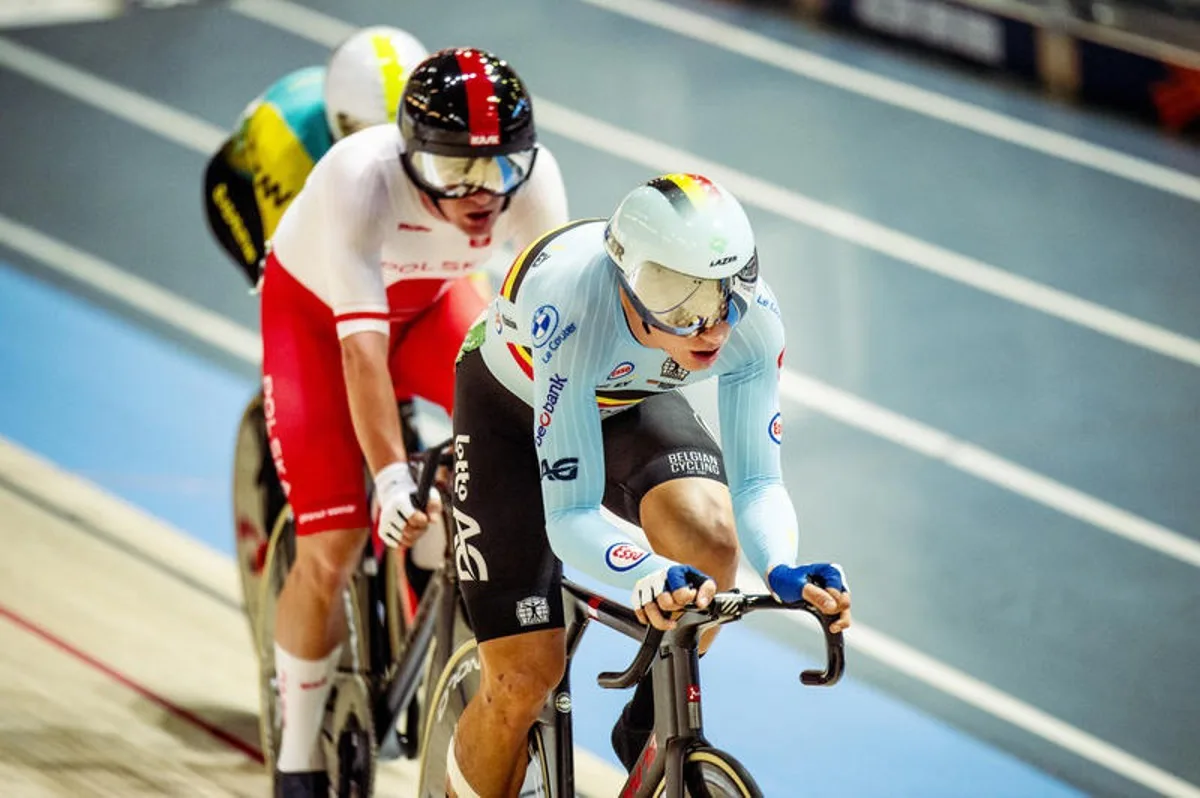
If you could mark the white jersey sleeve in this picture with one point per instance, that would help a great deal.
(540, 205)
(352, 193)
(751, 431)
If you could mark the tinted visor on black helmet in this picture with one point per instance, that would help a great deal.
(467, 124)
(454, 177)
(680, 304)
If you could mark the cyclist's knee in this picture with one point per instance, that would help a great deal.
(519, 674)
(716, 534)
(691, 520)
(325, 561)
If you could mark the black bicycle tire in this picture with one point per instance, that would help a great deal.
(705, 757)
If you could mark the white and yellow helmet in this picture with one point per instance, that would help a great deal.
(684, 252)
(365, 77)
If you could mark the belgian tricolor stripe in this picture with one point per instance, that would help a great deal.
(524, 358)
(483, 115)
(621, 398)
(685, 192)
(520, 267)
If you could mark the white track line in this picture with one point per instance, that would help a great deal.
(198, 135)
(983, 696)
(971, 459)
(139, 110)
(933, 673)
(142, 295)
(870, 235)
(903, 95)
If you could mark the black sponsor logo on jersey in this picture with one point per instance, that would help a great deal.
(564, 469)
(540, 259)
(673, 371)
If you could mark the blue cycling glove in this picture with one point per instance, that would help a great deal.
(787, 583)
(666, 580)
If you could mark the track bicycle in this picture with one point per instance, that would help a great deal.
(393, 639)
(678, 760)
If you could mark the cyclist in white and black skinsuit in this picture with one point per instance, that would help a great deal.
(568, 384)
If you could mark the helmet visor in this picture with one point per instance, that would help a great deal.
(684, 305)
(453, 177)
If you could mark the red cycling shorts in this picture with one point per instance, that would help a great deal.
(312, 438)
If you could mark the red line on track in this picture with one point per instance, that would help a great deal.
(216, 732)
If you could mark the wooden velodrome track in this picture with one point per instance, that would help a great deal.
(127, 668)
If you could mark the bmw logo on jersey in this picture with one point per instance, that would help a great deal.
(545, 322)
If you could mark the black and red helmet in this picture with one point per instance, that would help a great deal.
(467, 124)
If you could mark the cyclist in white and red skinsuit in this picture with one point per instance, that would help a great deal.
(367, 296)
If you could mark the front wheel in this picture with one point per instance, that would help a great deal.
(456, 686)
(712, 773)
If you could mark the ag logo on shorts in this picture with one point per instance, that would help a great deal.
(775, 428)
(623, 556)
(545, 322)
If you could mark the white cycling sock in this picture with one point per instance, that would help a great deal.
(304, 686)
(458, 782)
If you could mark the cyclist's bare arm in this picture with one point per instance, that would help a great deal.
(372, 398)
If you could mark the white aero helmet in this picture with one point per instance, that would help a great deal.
(365, 78)
(685, 253)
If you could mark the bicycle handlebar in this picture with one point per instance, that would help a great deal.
(641, 663)
(731, 606)
(429, 460)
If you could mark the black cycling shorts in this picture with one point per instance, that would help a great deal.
(511, 579)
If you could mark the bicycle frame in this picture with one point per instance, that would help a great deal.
(433, 625)
(675, 662)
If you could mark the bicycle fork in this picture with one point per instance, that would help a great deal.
(676, 673)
